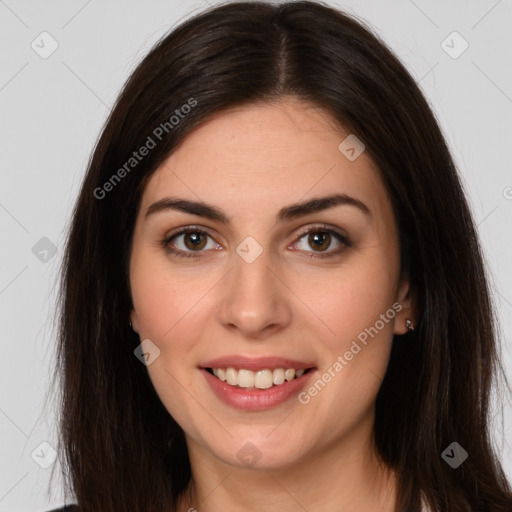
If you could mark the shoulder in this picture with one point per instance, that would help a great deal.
(66, 508)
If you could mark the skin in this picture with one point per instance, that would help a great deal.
(252, 161)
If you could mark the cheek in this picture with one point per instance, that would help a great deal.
(357, 340)
(165, 306)
(160, 299)
(171, 308)
(156, 305)
(352, 298)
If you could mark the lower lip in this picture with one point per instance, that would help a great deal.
(256, 399)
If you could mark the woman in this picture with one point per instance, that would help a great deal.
(273, 293)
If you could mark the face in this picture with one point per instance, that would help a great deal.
(258, 277)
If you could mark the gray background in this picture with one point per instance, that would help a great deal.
(52, 110)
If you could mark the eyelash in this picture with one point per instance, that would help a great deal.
(315, 229)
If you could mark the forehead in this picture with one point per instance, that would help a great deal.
(259, 157)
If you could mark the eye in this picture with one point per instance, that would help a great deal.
(321, 238)
(194, 240)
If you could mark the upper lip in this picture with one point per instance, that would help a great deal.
(255, 363)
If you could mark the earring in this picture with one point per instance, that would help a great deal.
(130, 322)
(409, 325)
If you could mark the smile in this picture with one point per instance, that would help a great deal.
(251, 396)
(262, 379)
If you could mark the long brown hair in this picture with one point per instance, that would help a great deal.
(121, 448)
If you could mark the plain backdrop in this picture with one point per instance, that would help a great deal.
(52, 108)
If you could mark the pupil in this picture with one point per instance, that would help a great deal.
(315, 238)
(194, 239)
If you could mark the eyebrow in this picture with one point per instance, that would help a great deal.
(290, 212)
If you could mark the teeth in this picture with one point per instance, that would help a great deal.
(278, 376)
(232, 376)
(245, 378)
(289, 374)
(262, 379)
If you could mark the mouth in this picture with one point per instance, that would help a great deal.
(269, 384)
(262, 379)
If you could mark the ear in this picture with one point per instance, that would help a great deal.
(134, 320)
(408, 310)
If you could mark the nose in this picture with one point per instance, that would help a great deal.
(255, 301)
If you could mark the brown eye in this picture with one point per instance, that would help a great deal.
(193, 240)
(319, 240)
(189, 243)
